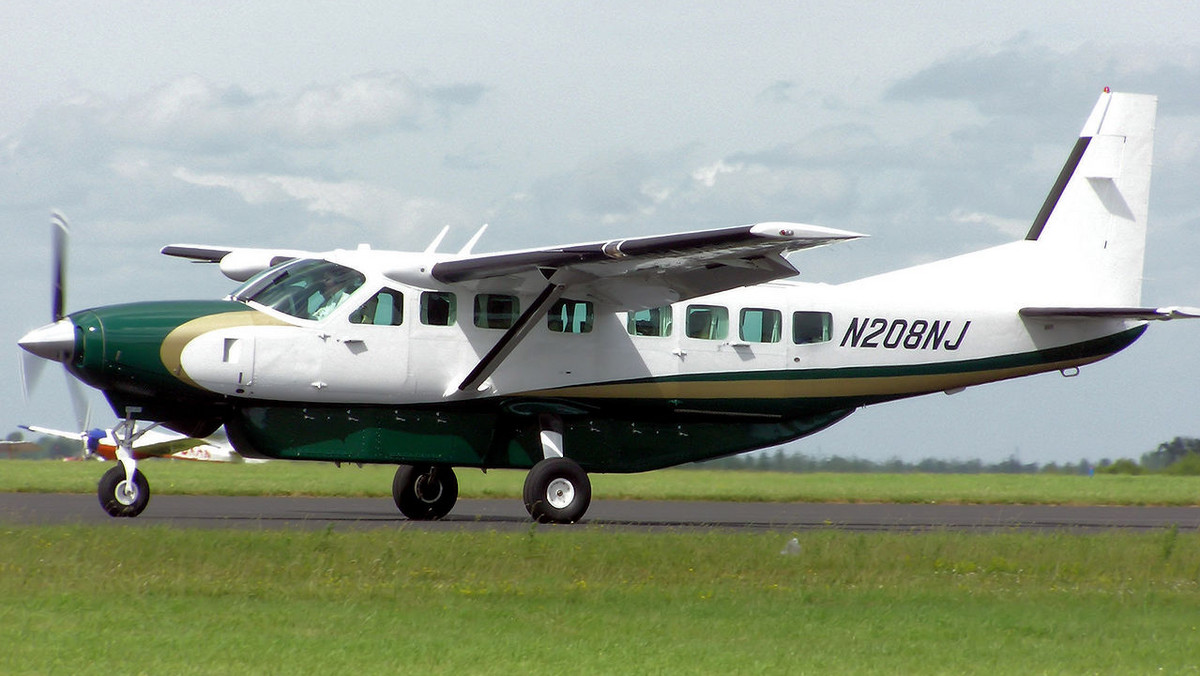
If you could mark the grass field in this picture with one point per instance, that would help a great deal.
(119, 599)
(295, 478)
(136, 600)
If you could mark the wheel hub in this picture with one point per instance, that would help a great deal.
(560, 493)
(427, 489)
(126, 493)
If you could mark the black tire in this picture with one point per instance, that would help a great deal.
(114, 498)
(425, 492)
(557, 490)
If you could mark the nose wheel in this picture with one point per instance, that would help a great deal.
(120, 496)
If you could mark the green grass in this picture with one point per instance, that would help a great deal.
(295, 478)
(109, 599)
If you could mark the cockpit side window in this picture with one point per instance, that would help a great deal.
(307, 289)
(385, 308)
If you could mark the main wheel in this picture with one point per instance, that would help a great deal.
(425, 492)
(557, 490)
(119, 497)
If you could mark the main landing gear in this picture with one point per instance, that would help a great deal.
(557, 489)
(123, 490)
(425, 492)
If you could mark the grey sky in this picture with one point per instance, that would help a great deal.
(935, 129)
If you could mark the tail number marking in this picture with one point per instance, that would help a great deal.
(910, 334)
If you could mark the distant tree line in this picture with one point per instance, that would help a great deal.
(1180, 456)
(42, 448)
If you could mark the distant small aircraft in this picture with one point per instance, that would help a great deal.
(617, 356)
(102, 444)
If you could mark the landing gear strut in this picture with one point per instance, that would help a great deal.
(425, 492)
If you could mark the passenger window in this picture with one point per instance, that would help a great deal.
(708, 322)
(571, 316)
(760, 325)
(385, 308)
(811, 327)
(495, 311)
(438, 308)
(655, 321)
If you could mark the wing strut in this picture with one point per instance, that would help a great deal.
(512, 337)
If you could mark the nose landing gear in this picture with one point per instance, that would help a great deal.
(123, 490)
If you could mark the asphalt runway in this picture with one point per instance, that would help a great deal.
(509, 515)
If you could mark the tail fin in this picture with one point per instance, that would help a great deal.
(1096, 211)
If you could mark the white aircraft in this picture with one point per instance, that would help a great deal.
(616, 356)
(149, 443)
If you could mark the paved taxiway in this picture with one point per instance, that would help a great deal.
(509, 515)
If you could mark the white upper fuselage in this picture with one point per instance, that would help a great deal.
(918, 316)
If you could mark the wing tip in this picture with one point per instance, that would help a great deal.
(786, 230)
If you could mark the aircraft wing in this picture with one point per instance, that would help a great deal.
(74, 436)
(644, 272)
(237, 263)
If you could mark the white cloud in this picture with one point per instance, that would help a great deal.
(372, 206)
(196, 114)
(1012, 227)
(707, 175)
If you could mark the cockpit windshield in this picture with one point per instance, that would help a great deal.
(306, 289)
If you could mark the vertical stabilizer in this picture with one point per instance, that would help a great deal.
(1095, 215)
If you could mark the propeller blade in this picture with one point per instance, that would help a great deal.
(31, 371)
(59, 230)
(79, 402)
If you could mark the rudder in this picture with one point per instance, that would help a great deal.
(1096, 212)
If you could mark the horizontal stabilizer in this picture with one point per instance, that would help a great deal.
(1135, 313)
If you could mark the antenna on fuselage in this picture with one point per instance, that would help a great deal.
(437, 240)
(466, 250)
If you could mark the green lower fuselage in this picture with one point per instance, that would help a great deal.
(119, 350)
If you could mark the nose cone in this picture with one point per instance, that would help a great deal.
(55, 342)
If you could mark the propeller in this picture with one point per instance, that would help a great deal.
(41, 344)
(58, 232)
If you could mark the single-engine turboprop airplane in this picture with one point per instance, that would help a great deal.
(617, 356)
